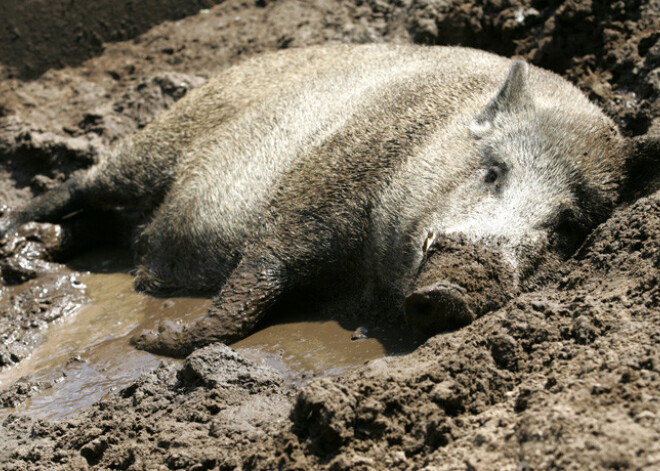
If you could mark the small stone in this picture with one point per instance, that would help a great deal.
(219, 365)
(359, 333)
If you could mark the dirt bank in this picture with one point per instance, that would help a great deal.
(566, 376)
(37, 35)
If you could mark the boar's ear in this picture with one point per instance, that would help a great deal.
(513, 96)
(642, 167)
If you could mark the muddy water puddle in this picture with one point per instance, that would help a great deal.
(87, 354)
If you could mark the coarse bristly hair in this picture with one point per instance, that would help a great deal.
(337, 161)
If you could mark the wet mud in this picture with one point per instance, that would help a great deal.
(88, 354)
(564, 375)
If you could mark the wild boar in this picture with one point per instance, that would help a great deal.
(339, 166)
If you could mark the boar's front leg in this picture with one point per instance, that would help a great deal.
(250, 291)
(295, 249)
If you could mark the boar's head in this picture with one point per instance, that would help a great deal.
(544, 175)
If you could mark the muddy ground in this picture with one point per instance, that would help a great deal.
(566, 376)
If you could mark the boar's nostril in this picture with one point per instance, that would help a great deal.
(437, 308)
(421, 306)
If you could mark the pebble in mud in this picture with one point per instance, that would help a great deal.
(360, 334)
(219, 365)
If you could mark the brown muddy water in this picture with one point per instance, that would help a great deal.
(88, 355)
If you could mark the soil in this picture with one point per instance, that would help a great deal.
(563, 376)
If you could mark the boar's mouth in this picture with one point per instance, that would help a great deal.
(457, 282)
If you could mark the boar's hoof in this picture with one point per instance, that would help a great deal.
(169, 340)
(438, 307)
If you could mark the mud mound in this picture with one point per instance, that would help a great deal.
(565, 376)
(529, 384)
(208, 413)
(39, 35)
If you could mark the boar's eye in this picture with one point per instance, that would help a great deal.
(493, 172)
(493, 175)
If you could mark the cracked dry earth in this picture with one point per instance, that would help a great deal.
(565, 376)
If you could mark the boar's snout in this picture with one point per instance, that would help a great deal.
(438, 307)
(458, 280)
